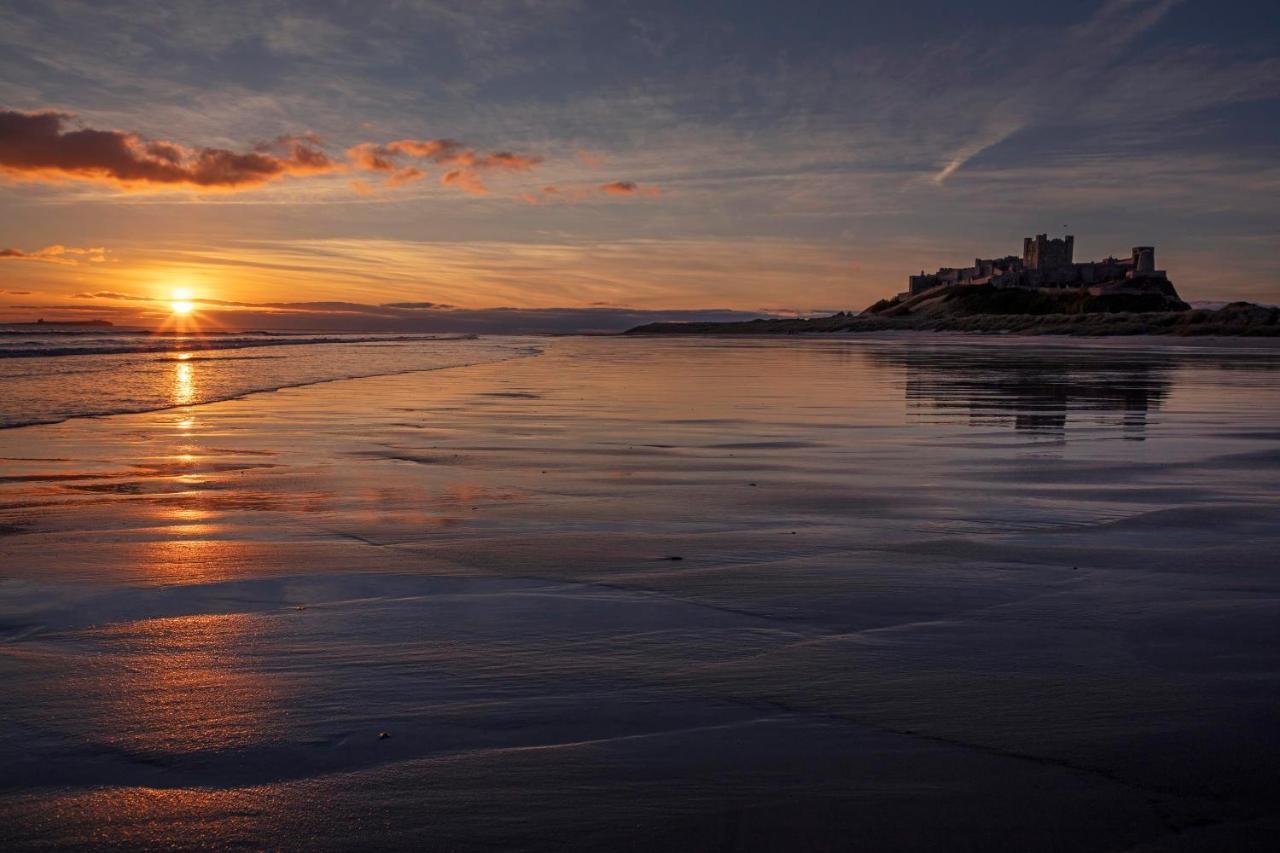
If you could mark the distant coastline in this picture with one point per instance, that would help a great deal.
(96, 324)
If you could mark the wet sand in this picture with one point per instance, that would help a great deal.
(644, 594)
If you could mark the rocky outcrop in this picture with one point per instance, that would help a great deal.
(1015, 311)
(1143, 296)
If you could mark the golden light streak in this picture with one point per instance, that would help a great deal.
(184, 382)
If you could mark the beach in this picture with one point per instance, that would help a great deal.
(912, 592)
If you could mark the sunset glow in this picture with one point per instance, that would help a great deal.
(536, 157)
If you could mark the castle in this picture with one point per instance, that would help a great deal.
(1044, 263)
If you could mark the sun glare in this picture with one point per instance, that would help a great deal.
(182, 304)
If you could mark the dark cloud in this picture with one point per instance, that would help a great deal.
(57, 254)
(113, 294)
(48, 146)
(41, 146)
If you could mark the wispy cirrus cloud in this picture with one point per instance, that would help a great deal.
(649, 274)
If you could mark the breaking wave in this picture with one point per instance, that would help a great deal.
(120, 374)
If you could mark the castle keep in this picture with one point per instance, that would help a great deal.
(1044, 263)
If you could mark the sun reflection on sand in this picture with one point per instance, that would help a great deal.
(180, 684)
(190, 526)
(189, 557)
(190, 519)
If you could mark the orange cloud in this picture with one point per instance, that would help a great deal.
(571, 195)
(508, 161)
(437, 150)
(57, 254)
(47, 146)
(466, 163)
(405, 176)
(550, 193)
(466, 180)
(38, 146)
(590, 159)
(372, 157)
(628, 188)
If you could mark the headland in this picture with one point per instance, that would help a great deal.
(1043, 292)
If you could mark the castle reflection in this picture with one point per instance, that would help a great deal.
(1035, 392)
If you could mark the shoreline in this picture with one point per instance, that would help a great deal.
(172, 406)
(1205, 344)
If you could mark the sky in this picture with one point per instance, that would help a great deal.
(520, 164)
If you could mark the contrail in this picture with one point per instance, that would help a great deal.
(1112, 27)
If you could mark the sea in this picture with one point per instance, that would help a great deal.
(118, 371)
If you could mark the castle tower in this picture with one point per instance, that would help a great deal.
(1041, 253)
(1144, 260)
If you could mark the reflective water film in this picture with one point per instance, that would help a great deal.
(650, 595)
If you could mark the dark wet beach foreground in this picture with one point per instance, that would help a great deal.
(655, 594)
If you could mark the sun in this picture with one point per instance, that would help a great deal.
(181, 303)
